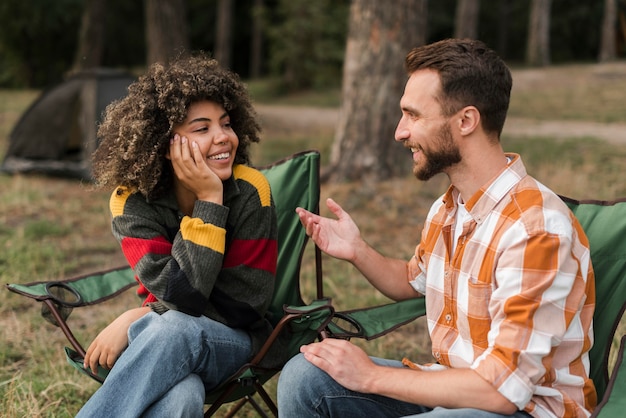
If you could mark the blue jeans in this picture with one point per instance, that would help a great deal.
(171, 360)
(306, 391)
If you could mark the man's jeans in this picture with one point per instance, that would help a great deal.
(170, 361)
(306, 391)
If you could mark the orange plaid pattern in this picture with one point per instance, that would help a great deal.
(515, 302)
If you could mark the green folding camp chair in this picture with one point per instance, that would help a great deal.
(605, 225)
(294, 182)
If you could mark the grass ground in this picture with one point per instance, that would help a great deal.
(52, 228)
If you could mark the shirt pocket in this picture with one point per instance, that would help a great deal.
(478, 318)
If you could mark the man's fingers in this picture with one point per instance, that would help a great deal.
(334, 207)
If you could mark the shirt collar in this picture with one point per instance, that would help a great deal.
(485, 199)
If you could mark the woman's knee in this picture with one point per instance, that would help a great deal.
(185, 399)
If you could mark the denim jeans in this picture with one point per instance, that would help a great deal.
(306, 391)
(170, 361)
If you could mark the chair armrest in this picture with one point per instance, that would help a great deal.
(300, 325)
(373, 322)
(78, 291)
(613, 404)
(76, 361)
(60, 297)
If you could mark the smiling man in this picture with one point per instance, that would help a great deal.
(503, 264)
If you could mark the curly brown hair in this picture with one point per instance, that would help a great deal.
(135, 133)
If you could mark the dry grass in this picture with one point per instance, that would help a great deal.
(53, 228)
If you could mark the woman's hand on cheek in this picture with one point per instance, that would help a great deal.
(192, 171)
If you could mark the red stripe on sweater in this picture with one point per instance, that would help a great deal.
(135, 248)
(255, 253)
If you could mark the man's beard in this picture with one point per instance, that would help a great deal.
(445, 155)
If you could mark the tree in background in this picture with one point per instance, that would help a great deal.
(166, 30)
(90, 50)
(379, 37)
(306, 42)
(223, 28)
(256, 39)
(466, 19)
(538, 46)
(607, 43)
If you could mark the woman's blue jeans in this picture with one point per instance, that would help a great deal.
(170, 361)
(306, 391)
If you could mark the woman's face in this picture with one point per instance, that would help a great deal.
(208, 124)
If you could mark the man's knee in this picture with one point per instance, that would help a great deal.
(300, 383)
(296, 371)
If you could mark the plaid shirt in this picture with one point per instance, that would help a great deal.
(515, 303)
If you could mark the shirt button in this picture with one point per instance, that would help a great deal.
(448, 318)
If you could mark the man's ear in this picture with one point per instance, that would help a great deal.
(469, 120)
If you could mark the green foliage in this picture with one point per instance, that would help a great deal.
(37, 40)
(303, 40)
(307, 43)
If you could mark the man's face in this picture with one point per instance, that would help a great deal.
(442, 154)
(423, 129)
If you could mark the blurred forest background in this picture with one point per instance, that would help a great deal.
(324, 74)
(357, 46)
(301, 42)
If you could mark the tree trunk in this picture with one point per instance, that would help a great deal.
(379, 38)
(503, 28)
(91, 36)
(466, 19)
(538, 47)
(223, 38)
(607, 45)
(166, 30)
(256, 41)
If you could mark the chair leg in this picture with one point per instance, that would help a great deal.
(259, 389)
(266, 398)
(220, 401)
(256, 406)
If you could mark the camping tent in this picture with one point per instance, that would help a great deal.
(57, 133)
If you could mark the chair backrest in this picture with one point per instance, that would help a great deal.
(295, 183)
(604, 223)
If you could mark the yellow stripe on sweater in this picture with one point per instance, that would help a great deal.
(257, 179)
(206, 235)
(118, 200)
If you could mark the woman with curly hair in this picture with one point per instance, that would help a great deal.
(198, 227)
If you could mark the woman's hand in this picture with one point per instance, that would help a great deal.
(112, 340)
(193, 172)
